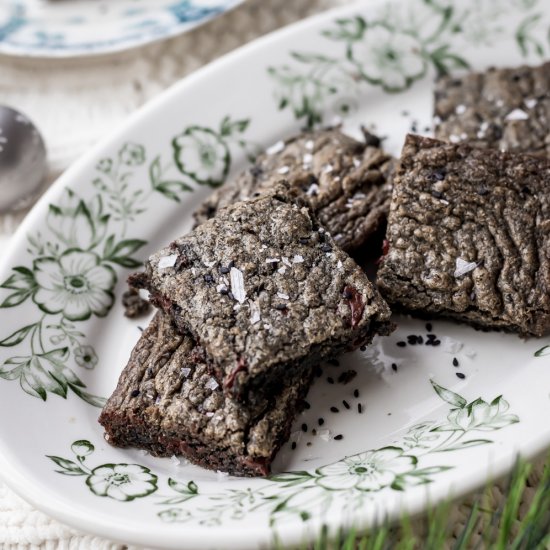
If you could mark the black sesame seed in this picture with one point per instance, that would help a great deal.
(293, 446)
(140, 329)
(326, 248)
(346, 404)
(334, 410)
(304, 427)
(419, 339)
(208, 278)
(230, 295)
(303, 240)
(431, 337)
(321, 421)
(401, 344)
(314, 431)
(224, 270)
(224, 290)
(308, 444)
(440, 175)
(363, 348)
(307, 405)
(231, 264)
(482, 191)
(460, 375)
(437, 194)
(334, 362)
(394, 367)
(429, 343)
(338, 437)
(455, 362)
(411, 339)
(356, 393)
(429, 327)
(280, 307)
(359, 408)
(436, 342)
(347, 376)
(134, 393)
(330, 380)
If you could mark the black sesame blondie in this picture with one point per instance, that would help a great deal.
(508, 109)
(267, 293)
(469, 236)
(346, 182)
(168, 403)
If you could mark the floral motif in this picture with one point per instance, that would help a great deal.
(479, 415)
(370, 471)
(390, 59)
(304, 493)
(393, 48)
(174, 515)
(85, 356)
(75, 265)
(122, 482)
(132, 154)
(104, 165)
(201, 154)
(76, 285)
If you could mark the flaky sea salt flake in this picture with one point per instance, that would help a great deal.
(463, 267)
(167, 261)
(298, 259)
(275, 148)
(283, 296)
(212, 384)
(255, 316)
(237, 285)
(517, 114)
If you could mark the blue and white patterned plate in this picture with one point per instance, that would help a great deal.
(69, 28)
(416, 425)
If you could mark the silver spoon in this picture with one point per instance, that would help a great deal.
(22, 160)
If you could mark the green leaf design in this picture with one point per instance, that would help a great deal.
(189, 488)
(170, 189)
(466, 444)
(446, 62)
(68, 467)
(93, 400)
(17, 337)
(449, 396)
(524, 35)
(13, 367)
(347, 30)
(120, 253)
(82, 448)
(289, 479)
(544, 351)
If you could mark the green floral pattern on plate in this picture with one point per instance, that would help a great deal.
(392, 468)
(75, 267)
(394, 49)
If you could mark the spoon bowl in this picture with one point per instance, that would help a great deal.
(23, 163)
